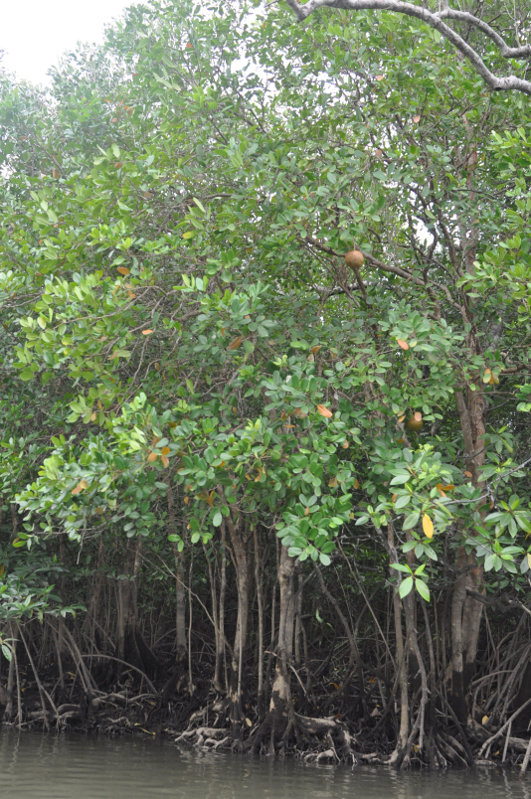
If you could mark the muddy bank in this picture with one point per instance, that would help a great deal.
(135, 704)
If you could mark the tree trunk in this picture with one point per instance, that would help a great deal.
(239, 542)
(466, 612)
(280, 701)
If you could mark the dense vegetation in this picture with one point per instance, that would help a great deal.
(256, 493)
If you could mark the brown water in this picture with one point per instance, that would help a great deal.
(34, 766)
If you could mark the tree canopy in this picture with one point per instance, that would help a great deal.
(265, 299)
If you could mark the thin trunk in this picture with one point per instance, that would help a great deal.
(180, 593)
(239, 542)
(260, 608)
(466, 612)
(281, 692)
(401, 660)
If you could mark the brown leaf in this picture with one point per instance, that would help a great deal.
(235, 343)
(152, 457)
(403, 344)
(323, 410)
(147, 332)
(123, 270)
(81, 486)
(165, 461)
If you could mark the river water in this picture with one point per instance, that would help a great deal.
(35, 766)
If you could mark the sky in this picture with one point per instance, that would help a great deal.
(35, 33)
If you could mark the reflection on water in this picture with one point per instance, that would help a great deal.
(34, 766)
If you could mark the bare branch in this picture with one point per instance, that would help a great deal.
(505, 50)
(434, 19)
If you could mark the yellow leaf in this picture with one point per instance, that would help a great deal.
(356, 483)
(323, 410)
(165, 450)
(165, 461)
(80, 487)
(332, 482)
(401, 417)
(123, 270)
(152, 457)
(147, 332)
(484, 720)
(403, 344)
(93, 416)
(529, 559)
(345, 444)
(427, 526)
(315, 349)
(210, 499)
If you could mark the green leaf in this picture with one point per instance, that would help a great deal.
(405, 587)
(411, 520)
(7, 653)
(422, 589)
(402, 501)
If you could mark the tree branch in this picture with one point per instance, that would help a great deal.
(434, 19)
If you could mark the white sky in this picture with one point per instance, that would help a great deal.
(35, 33)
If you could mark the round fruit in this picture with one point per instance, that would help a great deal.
(414, 422)
(354, 259)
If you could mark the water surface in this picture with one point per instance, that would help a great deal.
(39, 766)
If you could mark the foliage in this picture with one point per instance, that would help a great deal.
(178, 311)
